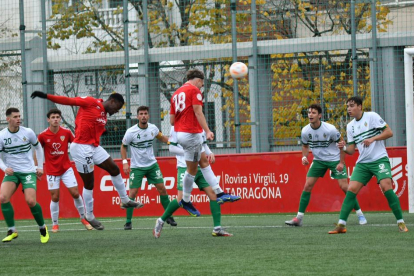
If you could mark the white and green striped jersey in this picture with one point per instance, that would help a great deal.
(371, 124)
(173, 141)
(322, 141)
(16, 148)
(140, 141)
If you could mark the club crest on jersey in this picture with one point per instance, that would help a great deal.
(199, 97)
(24, 138)
(62, 138)
(324, 135)
(365, 124)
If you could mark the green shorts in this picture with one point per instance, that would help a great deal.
(318, 169)
(199, 179)
(363, 172)
(153, 174)
(28, 180)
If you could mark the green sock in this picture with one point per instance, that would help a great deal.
(394, 204)
(37, 214)
(347, 205)
(129, 213)
(356, 206)
(172, 207)
(164, 201)
(304, 201)
(215, 212)
(8, 214)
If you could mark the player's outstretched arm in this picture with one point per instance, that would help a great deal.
(56, 99)
(162, 138)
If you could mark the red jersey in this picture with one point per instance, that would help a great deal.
(91, 118)
(182, 103)
(55, 146)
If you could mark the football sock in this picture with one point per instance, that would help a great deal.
(394, 204)
(300, 215)
(129, 213)
(171, 208)
(188, 181)
(37, 214)
(215, 212)
(356, 206)
(8, 214)
(347, 206)
(88, 198)
(165, 201)
(359, 212)
(80, 206)
(54, 211)
(211, 179)
(304, 201)
(120, 187)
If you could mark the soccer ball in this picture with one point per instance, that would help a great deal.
(238, 70)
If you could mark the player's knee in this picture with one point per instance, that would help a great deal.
(114, 171)
(31, 202)
(4, 199)
(55, 198)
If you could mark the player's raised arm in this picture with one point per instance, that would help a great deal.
(56, 99)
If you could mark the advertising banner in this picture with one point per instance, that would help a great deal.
(267, 183)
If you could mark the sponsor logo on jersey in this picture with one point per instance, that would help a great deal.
(310, 136)
(56, 149)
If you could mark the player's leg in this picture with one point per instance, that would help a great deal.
(211, 179)
(342, 177)
(343, 184)
(135, 181)
(69, 180)
(29, 189)
(385, 181)
(102, 159)
(53, 183)
(83, 157)
(7, 189)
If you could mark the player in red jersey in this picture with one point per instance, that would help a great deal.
(85, 149)
(186, 115)
(55, 141)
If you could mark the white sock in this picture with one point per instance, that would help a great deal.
(80, 206)
(54, 212)
(120, 187)
(12, 228)
(188, 181)
(211, 179)
(217, 228)
(400, 220)
(359, 212)
(300, 215)
(88, 197)
(342, 222)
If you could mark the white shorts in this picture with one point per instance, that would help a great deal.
(68, 178)
(86, 156)
(192, 144)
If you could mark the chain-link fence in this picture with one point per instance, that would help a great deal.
(298, 52)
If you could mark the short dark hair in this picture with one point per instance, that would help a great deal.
(142, 108)
(195, 73)
(10, 110)
(117, 97)
(54, 111)
(356, 99)
(317, 107)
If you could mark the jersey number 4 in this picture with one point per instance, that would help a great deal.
(179, 102)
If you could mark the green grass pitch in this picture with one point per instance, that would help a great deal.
(261, 245)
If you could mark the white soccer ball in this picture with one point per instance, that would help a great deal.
(238, 70)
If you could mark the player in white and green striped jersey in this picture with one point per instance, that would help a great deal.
(18, 165)
(321, 138)
(368, 131)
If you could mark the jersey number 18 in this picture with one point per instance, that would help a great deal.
(179, 102)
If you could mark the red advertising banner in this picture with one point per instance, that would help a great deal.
(267, 183)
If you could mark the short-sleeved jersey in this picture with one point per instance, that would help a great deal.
(371, 124)
(16, 148)
(322, 141)
(174, 141)
(91, 118)
(140, 140)
(55, 146)
(182, 103)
